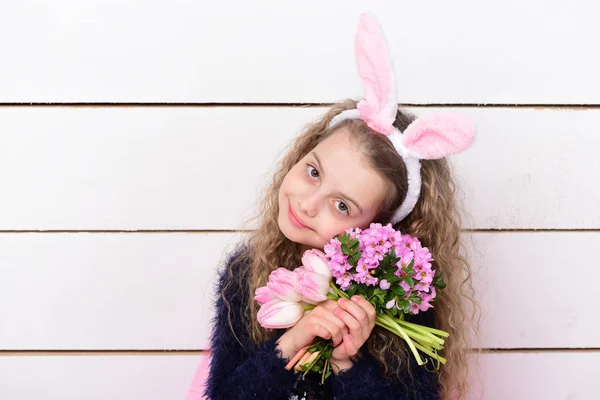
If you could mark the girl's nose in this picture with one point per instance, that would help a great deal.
(309, 206)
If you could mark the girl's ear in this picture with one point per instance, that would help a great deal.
(379, 106)
(438, 135)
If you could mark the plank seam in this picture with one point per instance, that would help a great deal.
(248, 231)
(206, 352)
(299, 105)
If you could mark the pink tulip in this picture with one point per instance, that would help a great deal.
(316, 261)
(282, 282)
(278, 314)
(263, 295)
(312, 286)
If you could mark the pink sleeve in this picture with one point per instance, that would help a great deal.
(197, 388)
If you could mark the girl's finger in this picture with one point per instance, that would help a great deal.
(335, 331)
(368, 308)
(355, 310)
(332, 318)
(320, 331)
(349, 345)
(351, 322)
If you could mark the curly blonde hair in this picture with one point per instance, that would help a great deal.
(435, 221)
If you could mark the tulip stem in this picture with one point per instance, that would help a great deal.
(338, 292)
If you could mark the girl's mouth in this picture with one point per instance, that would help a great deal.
(294, 220)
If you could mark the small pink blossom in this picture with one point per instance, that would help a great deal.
(384, 284)
(414, 308)
(422, 286)
(370, 280)
(428, 296)
(390, 304)
(424, 306)
(404, 285)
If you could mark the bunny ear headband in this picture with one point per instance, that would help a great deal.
(430, 137)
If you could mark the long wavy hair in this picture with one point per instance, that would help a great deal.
(435, 221)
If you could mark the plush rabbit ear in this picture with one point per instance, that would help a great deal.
(438, 135)
(379, 106)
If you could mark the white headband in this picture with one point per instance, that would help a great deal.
(430, 137)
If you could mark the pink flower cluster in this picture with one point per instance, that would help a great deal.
(375, 243)
(281, 299)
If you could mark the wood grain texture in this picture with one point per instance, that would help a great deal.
(548, 376)
(203, 168)
(153, 291)
(465, 51)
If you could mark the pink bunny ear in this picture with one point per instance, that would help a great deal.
(379, 107)
(438, 135)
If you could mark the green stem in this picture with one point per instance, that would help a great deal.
(430, 353)
(423, 339)
(403, 334)
(427, 336)
(417, 345)
(422, 335)
(431, 330)
(338, 291)
(309, 307)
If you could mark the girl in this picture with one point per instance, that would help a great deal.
(342, 173)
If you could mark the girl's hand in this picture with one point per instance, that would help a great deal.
(359, 316)
(320, 321)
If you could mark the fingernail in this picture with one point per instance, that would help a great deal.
(342, 300)
(355, 298)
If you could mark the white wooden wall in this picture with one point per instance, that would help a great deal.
(135, 135)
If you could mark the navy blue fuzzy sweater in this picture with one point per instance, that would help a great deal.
(249, 371)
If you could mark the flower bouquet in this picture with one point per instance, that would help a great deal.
(391, 270)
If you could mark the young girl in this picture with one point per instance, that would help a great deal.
(342, 172)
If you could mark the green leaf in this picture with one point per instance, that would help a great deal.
(354, 243)
(391, 278)
(392, 268)
(352, 290)
(370, 291)
(345, 249)
(398, 290)
(385, 263)
(409, 280)
(439, 285)
(405, 305)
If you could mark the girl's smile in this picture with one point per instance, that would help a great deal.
(295, 220)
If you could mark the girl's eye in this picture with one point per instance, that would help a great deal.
(342, 207)
(312, 172)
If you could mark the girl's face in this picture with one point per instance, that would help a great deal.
(328, 191)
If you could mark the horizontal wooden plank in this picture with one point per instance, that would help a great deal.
(203, 168)
(525, 283)
(153, 291)
(548, 376)
(145, 377)
(188, 51)
(530, 376)
(107, 291)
